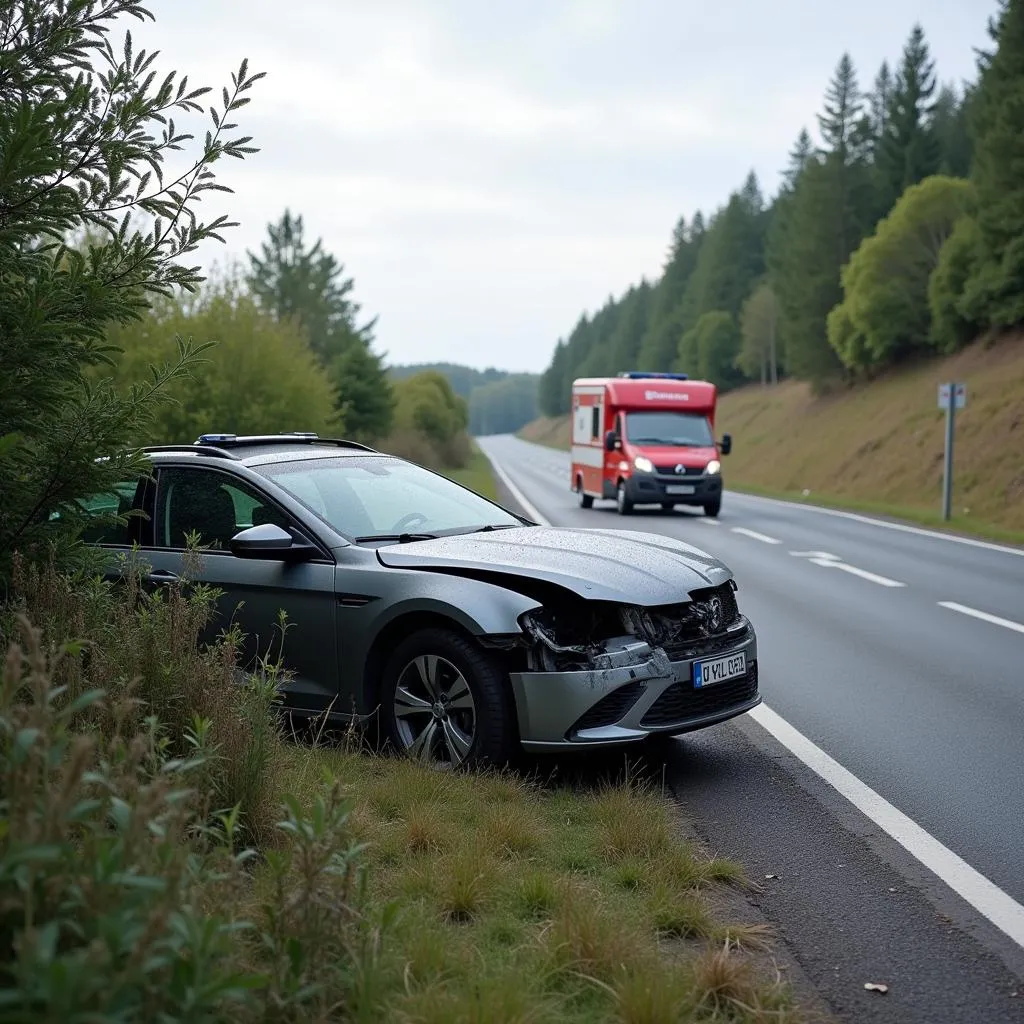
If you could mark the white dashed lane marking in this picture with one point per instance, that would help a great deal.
(984, 616)
(763, 538)
(829, 561)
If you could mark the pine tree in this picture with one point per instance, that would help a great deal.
(292, 279)
(366, 400)
(951, 125)
(996, 288)
(821, 222)
(661, 337)
(730, 259)
(879, 100)
(799, 155)
(909, 150)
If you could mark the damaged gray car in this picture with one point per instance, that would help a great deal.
(461, 629)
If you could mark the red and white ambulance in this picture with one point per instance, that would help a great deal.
(647, 439)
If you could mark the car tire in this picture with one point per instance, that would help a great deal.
(622, 502)
(712, 508)
(586, 500)
(472, 721)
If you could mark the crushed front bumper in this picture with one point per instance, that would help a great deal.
(633, 691)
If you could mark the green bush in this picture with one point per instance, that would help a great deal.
(129, 889)
(430, 422)
(144, 651)
(257, 374)
(954, 320)
(885, 312)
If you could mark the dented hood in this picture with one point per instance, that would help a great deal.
(604, 565)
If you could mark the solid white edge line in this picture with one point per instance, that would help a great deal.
(764, 538)
(984, 616)
(903, 527)
(527, 506)
(987, 898)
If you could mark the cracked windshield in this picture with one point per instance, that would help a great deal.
(512, 512)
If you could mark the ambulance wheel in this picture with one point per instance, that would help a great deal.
(713, 508)
(622, 502)
(586, 500)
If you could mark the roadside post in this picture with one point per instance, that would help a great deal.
(952, 396)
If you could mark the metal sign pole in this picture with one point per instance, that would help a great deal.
(952, 396)
(947, 476)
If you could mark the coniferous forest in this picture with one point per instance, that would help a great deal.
(897, 232)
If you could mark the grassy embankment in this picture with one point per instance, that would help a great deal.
(877, 447)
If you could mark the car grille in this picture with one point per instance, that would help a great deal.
(608, 710)
(683, 650)
(682, 701)
(670, 470)
(683, 627)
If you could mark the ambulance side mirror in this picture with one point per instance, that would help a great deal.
(726, 444)
(611, 441)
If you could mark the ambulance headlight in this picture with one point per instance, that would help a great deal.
(713, 467)
(643, 465)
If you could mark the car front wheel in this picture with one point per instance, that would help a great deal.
(446, 701)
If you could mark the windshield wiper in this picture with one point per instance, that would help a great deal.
(490, 527)
(401, 538)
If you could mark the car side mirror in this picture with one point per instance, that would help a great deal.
(268, 541)
(611, 441)
(726, 444)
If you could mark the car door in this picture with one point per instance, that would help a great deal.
(216, 505)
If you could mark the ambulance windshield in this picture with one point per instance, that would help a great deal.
(669, 429)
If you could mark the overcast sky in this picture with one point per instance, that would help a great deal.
(487, 170)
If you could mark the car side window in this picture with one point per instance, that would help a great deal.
(102, 507)
(212, 504)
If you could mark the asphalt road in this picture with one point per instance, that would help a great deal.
(901, 655)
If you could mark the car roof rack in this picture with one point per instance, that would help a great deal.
(285, 437)
(192, 449)
(218, 445)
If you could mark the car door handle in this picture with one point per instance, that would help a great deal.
(161, 576)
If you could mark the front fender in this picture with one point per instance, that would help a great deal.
(478, 608)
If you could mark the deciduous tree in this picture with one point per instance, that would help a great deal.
(88, 147)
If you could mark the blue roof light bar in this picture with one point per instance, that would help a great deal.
(644, 375)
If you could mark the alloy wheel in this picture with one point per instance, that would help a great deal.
(435, 713)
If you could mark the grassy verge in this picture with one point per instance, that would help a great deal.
(520, 903)
(166, 854)
(476, 475)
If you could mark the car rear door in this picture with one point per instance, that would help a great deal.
(216, 505)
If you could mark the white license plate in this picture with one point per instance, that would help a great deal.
(707, 673)
(680, 489)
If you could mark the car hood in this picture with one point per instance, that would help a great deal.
(602, 565)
